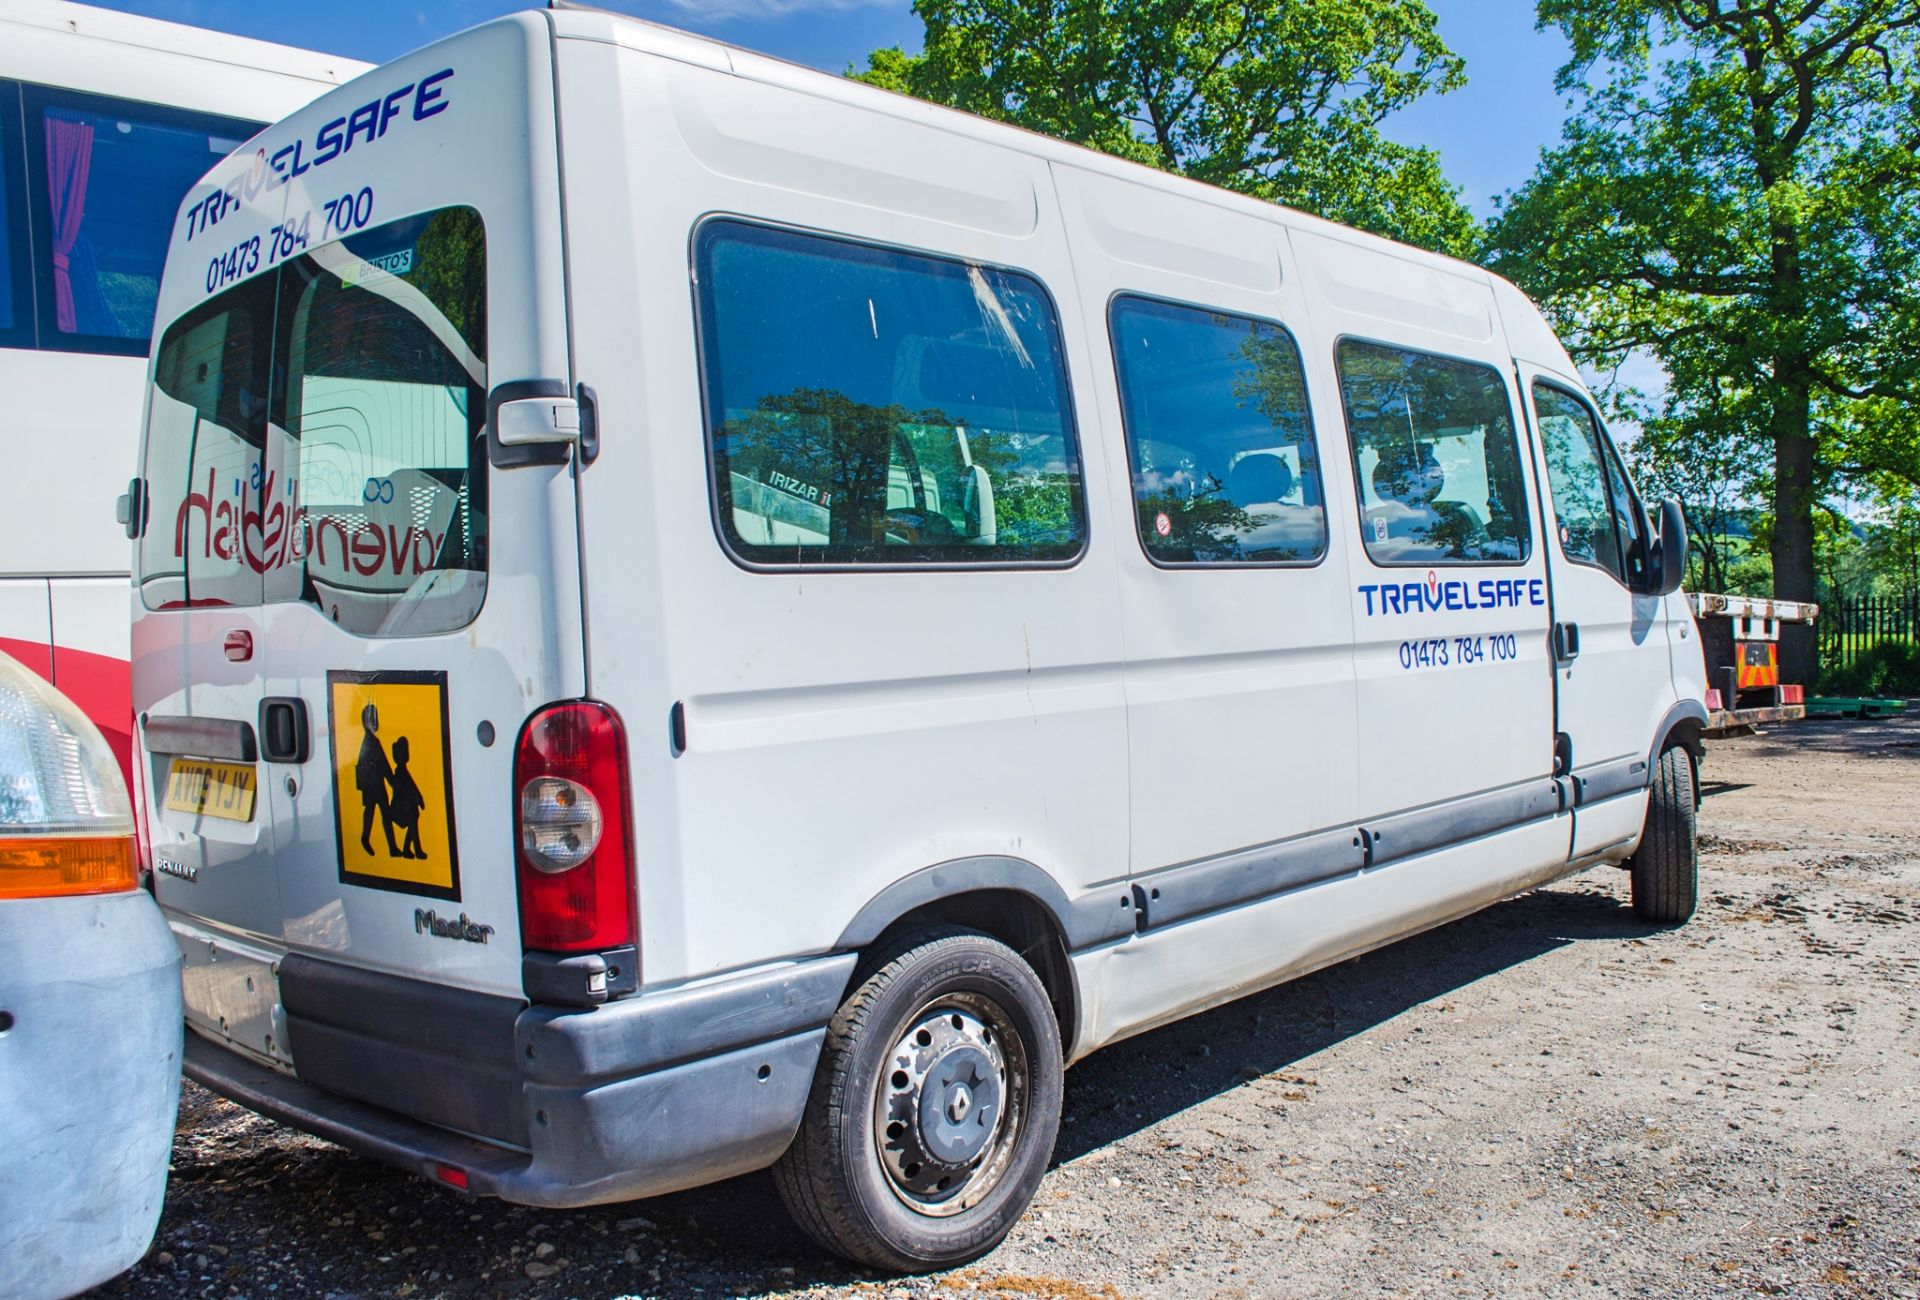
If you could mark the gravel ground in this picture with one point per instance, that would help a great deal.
(1547, 1099)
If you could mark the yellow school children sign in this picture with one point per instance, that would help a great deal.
(393, 782)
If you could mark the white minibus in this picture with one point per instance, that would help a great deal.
(105, 120)
(695, 615)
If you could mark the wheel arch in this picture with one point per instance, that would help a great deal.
(1011, 900)
(1683, 724)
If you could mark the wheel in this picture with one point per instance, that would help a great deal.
(1666, 868)
(935, 1107)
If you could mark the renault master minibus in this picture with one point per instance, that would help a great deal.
(693, 615)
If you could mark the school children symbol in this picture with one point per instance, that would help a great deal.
(392, 783)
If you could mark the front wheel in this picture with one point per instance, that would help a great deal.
(934, 1110)
(1666, 867)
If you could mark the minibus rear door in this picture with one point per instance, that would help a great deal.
(416, 594)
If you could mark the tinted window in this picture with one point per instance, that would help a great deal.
(15, 329)
(1577, 476)
(317, 434)
(1435, 458)
(1218, 435)
(107, 178)
(869, 406)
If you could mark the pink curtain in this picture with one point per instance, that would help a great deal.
(69, 158)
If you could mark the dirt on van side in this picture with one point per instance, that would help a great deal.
(1547, 1099)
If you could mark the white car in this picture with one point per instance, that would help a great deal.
(89, 1006)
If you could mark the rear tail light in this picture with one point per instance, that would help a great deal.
(65, 824)
(572, 830)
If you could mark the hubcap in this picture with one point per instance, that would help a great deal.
(947, 1110)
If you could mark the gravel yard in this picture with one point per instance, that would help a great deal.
(1547, 1099)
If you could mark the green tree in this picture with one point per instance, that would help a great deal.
(1280, 99)
(1735, 192)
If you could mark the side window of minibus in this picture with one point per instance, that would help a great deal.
(1598, 521)
(1436, 460)
(1629, 517)
(1577, 478)
(1218, 434)
(869, 406)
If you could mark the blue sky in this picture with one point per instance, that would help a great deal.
(1489, 134)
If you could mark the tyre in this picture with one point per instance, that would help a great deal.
(1666, 868)
(935, 1107)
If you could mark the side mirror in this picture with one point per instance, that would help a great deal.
(1670, 552)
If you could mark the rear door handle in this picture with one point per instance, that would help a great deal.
(1566, 641)
(283, 729)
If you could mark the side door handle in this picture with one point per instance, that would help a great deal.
(283, 729)
(1566, 641)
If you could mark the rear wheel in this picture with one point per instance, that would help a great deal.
(1666, 868)
(935, 1107)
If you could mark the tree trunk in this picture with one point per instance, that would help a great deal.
(1793, 569)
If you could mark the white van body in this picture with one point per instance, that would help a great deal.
(74, 382)
(1166, 783)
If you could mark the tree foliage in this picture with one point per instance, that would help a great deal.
(1736, 193)
(1281, 99)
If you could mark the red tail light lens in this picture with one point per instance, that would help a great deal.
(572, 832)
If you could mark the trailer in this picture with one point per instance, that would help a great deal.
(1740, 636)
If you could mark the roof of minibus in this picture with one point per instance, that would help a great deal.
(111, 27)
(582, 22)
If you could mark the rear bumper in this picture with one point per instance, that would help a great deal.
(1731, 722)
(639, 1097)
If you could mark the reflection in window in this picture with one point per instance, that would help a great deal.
(385, 395)
(112, 176)
(877, 407)
(1577, 479)
(205, 457)
(1224, 468)
(358, 484)
(1435, 457)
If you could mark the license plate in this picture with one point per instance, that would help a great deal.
(224, 790)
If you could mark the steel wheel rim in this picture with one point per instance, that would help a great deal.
(958, 1056)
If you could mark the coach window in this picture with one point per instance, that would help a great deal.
(1218, 435)
(1435, 458)
(16, 329)
(107, 177)
(875, 407)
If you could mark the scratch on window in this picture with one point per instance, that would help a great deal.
(990, 307)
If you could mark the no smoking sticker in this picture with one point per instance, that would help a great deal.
(393, 782)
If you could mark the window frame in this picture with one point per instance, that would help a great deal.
(703, 230)
(14, 185)
(1126, 435)
(1521, 561)
(35, 99)
(1609, 465)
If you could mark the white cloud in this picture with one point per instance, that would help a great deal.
(765, 10)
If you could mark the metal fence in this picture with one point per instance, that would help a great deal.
(1849, 626)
